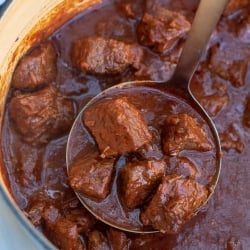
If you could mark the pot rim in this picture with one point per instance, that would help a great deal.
(37, 236)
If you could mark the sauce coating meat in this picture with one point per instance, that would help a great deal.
(36, 68)
(60, 230)
(97, 241)
(230, 63)
(174, 203)
(162, 29)
(182, 132)
(37, 175)
(139, 178)
(42, 115)
(92, 177)
(97, 55)
(129, 131)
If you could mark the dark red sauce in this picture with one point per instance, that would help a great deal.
(37, 173)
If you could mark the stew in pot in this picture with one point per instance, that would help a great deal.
(118, 41)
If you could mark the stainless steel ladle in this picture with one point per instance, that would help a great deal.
(206, 18)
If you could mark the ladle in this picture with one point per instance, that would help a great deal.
(205, 20)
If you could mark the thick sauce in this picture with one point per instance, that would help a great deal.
(37, 174)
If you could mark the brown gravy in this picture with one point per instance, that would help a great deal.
(38, 174)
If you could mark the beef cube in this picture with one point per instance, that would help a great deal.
(42, 115)
(139, 179)
(231, 62)
(36, 210)
(162, 30)
(246, 115)
(234, 5)
(174, 203)
(231, 139)
(118, 240)
(210, 90)
(182, 132)
(61, 231)
(97, 55)
(37, 68)
(117, 126)
(82, 218)
(97, 241)
(92, 177)
(214, 103)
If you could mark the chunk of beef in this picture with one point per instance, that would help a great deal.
(42, 115)
(82, 218)
(117, 126)
(118, 239)
(214, 103)
(246, 115)
(210, 90)
(231, 139)
(37, 206)
(97, 241)
(234, 5)
(97, 55)
(182, 132)
(61, 231)
(231, 62)
(174, 203)
(139, 178)
(162, 30)
(92, 176)
(34, 214)
(36, 68)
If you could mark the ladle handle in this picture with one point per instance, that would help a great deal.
(205, 20)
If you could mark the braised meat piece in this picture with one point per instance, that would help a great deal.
(42, 115)
(214, 103)
(34, 213)
(231, 139)
(61, 231)
(174, 203)
(246, 116)
(92, 176)
(139, 178)
(82, 218)
(231, 62)
(162, 30)
(182, 132)
(97, 55)
(117, 126)
(118, 239)
(97, 241)
(37, 68)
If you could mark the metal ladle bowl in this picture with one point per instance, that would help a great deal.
(206, 18)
